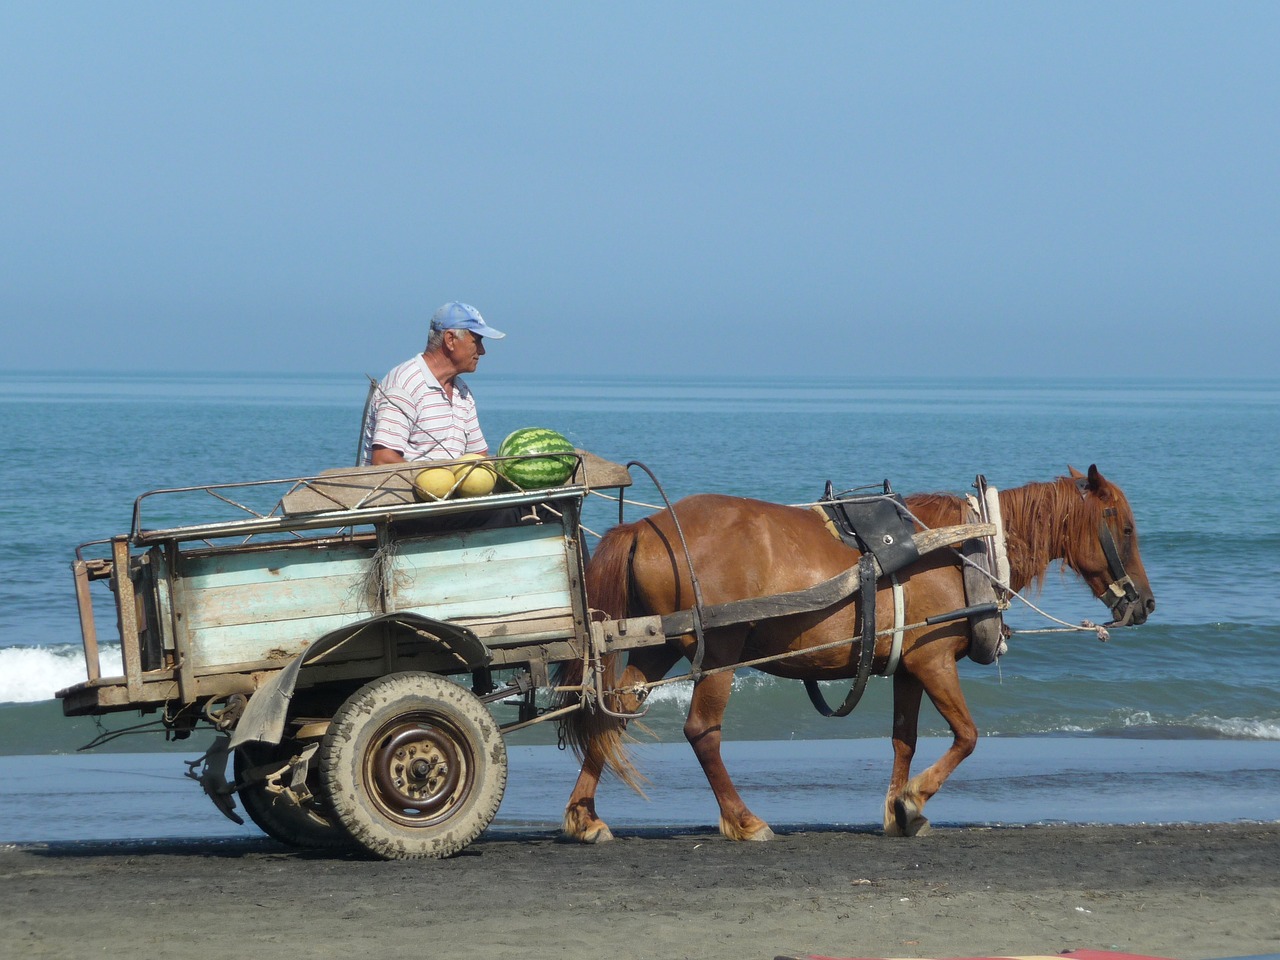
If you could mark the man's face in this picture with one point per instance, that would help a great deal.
(465, 349)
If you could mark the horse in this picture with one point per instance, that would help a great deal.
(742, 548)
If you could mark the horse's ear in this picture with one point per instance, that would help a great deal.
(1096, 480)
(1075, 474)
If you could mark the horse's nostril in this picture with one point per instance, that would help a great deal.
(1151, 605)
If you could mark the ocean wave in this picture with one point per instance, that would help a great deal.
(1194, 727)
(1145, 704)
(1145, 725)
(32, 674)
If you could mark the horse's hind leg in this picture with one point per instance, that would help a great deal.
(702, 729)
(580, 820)
(942, 683)
(605, 744)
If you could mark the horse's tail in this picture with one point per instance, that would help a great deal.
(597, 738)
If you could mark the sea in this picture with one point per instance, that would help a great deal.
(1174, 721)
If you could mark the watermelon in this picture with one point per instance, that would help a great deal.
(550, 458)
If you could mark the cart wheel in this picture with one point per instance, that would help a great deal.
(304, 825)
(414, 766)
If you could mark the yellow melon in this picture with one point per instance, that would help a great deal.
(478, 481)
(434, 483)
(464, 462)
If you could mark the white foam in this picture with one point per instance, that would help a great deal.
(31, 674)
(1243, 728)
(681, 692)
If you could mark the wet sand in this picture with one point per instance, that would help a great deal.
(1186, 892)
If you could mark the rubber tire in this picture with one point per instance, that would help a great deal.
(454, 745)
(307, 827)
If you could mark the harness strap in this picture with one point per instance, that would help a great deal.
(867, 568)
(986, 577)
(1122, 586)
(987, 510)
(899, 618)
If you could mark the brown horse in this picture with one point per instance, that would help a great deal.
(747, 548)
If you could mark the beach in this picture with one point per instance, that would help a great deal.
(1040, 845)
(1189, 891)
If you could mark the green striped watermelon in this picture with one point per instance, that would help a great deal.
(537, 471)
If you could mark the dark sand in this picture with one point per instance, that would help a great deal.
(1187, 892)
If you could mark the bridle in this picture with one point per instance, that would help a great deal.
(1121, 589)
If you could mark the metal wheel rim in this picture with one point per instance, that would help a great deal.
(418, 769)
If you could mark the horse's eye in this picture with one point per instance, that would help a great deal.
(1128, 531)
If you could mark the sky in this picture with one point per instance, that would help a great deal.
(692, 189)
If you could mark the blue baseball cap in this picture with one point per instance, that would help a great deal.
(462, 316)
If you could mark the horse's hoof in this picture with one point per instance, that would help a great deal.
(601, 834)
(596, 831)
(901, 817)
(735, 831)
(907, 820)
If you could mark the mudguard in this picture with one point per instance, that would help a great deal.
(264, 717)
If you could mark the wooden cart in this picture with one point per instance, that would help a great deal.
(353, 644)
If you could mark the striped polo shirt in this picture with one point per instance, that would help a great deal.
(410, 413)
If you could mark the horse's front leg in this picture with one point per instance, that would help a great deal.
(702, 729)
(907, 694)
(942, 683)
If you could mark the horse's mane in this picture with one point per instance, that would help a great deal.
(936, 509)
(1043, 522)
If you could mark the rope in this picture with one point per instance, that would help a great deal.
(623, 500)
(1085, 626)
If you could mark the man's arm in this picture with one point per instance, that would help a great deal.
(384, 455)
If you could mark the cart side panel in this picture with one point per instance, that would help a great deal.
(237, 607)
(250, 606)
(483, 574)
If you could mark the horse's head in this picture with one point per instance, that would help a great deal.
(1105, 549)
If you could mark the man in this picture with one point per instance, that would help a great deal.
(423, 409)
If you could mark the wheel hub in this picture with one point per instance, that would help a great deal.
(417, 771)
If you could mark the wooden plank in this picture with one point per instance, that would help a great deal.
(519, 541)
(349, 487)
(494, 589)
(599, 472)
(113, 693)
(276, 641)
(482, 573)
(534, 623)
(214, 647)
(173, 634)
(486, 607)
(301, 561)
(273, 601)
(127, 614)
(88, 629)
(346, 487)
